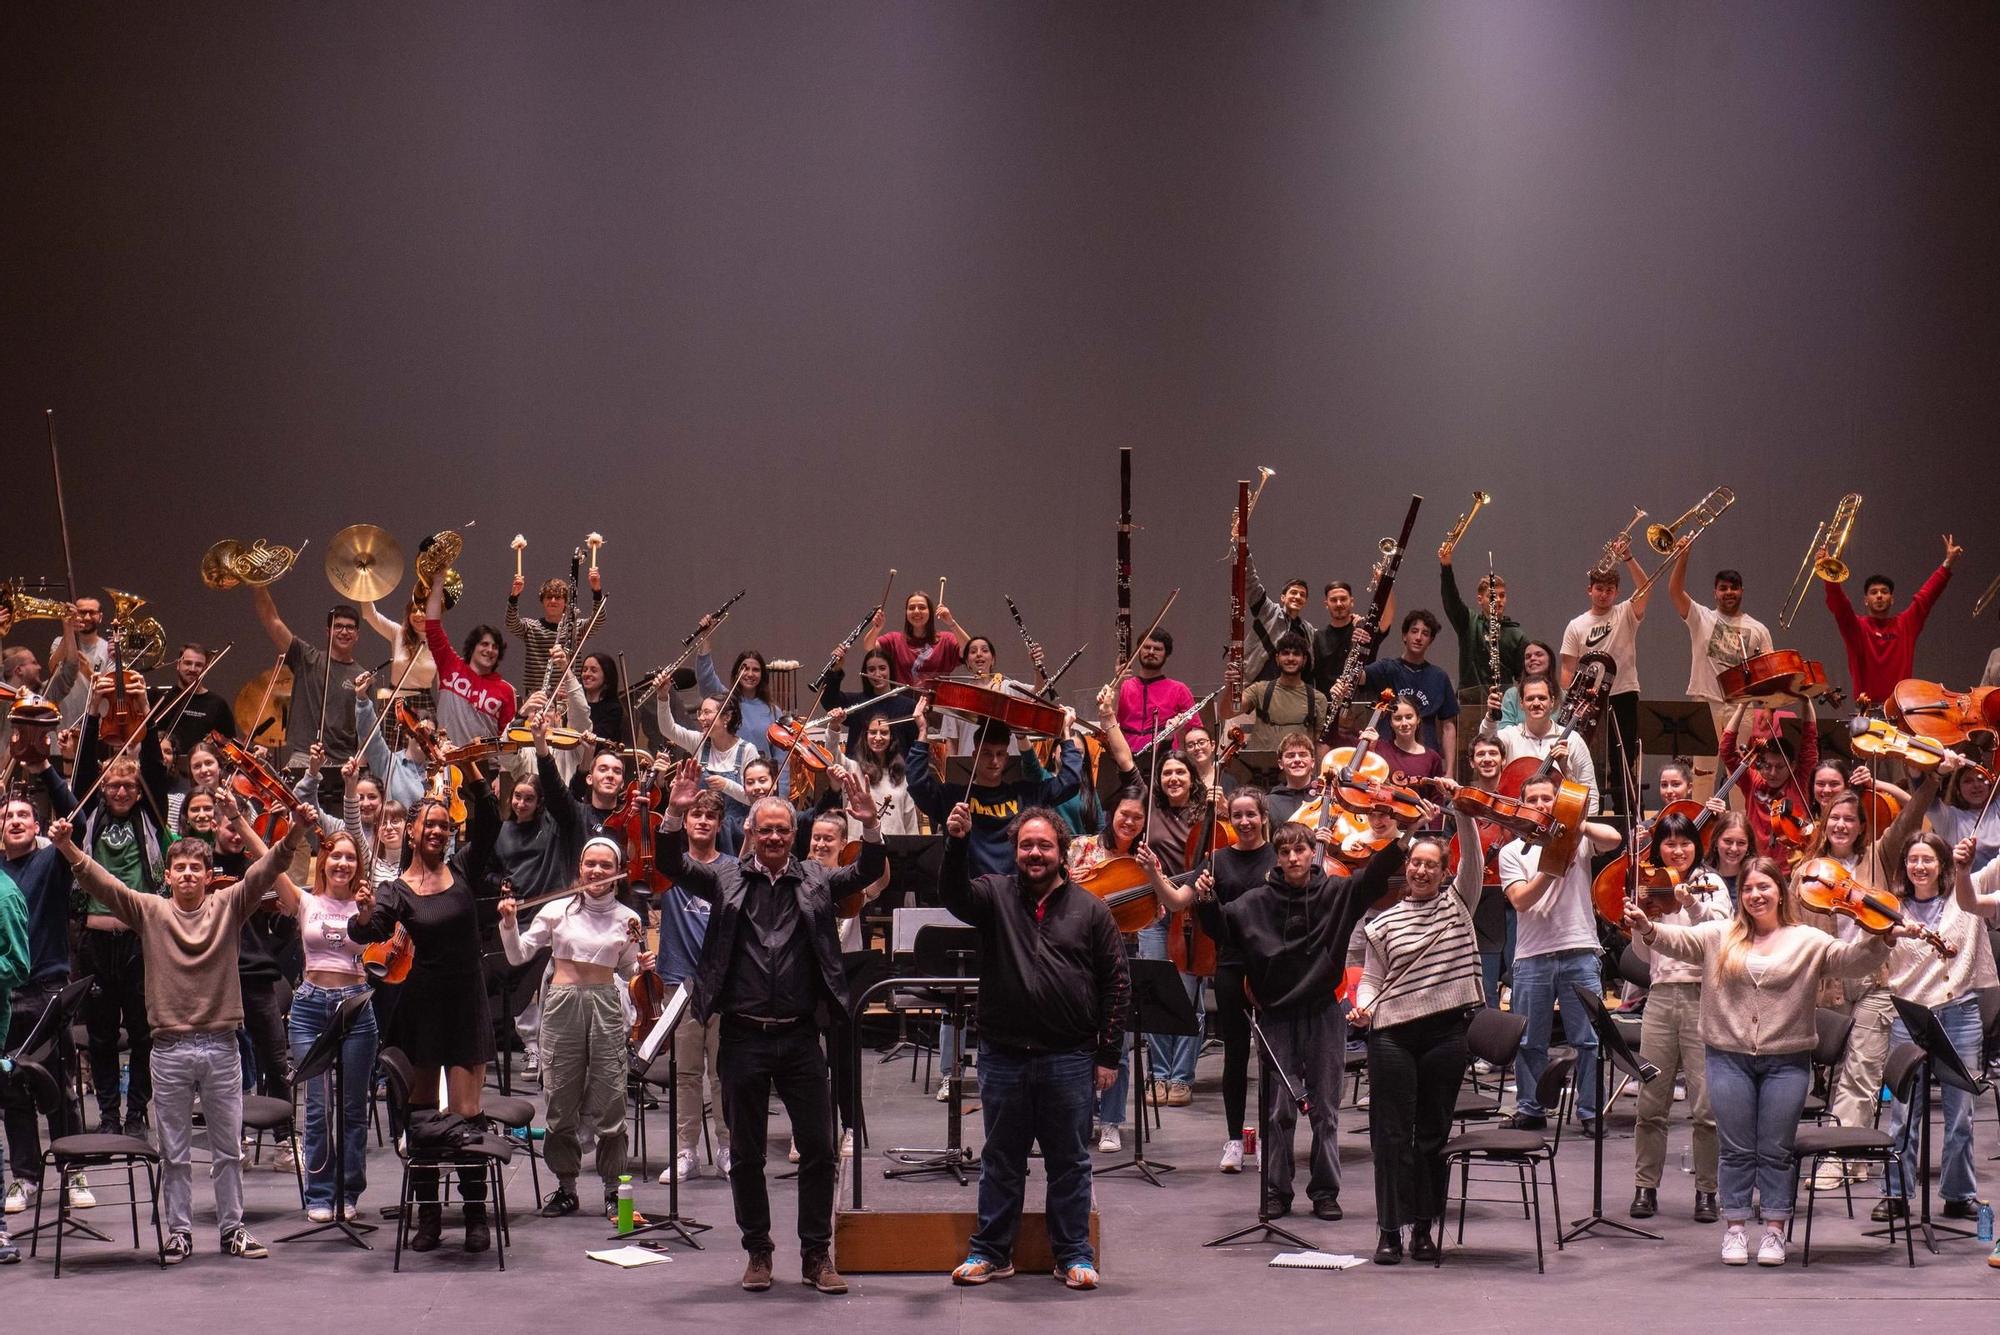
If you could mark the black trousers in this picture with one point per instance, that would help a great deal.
(750, 1063)
(264, 1004)
(1232, 1015)
(1621, 747)
(24, 1142)
(119, 997)
(1414, 1072)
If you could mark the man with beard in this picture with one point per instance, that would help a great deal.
(1053, 988)
(203, 711)
(1723, 637)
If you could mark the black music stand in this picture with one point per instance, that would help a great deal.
(1941, 1059)
(673, 1222)
(1160, 1005)
(1677, 728)
(945, 952)
(1265, 1230)
(49, 1033)
(1612, 1049)
(321, 1057)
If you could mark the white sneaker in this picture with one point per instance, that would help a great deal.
(847, 1144)
(20, 1196)
(1771, 1251)
(1481, 1066)
(685, 1166)
(1735, 1245)
(1232, 1156)
(944, 1091)
(81, 1197)
(792, 1155)
(286, 1160)
(320, 1214)
(1829, 1176)
(722, 1163)
(1108, 1141)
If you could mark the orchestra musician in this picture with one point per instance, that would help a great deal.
(1611, 627)
(1882, 648)
(1721, 637)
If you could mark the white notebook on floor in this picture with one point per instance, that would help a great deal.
(1314, 1261)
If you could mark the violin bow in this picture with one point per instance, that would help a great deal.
(576, 656)
(395, 694)
(325, 683)
(1126, 666)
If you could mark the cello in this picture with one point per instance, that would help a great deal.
(1656, 884)
(1192, 949)
(1943, 715)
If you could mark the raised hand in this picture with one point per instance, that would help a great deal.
(59, 835)
(860, 801)
(681, 794)
(959, 823)
(506, 907)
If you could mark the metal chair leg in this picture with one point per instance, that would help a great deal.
(1535, 1173)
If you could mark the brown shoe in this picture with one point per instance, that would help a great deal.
(757, 1274)
(818, 1271)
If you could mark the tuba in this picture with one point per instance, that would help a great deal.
(141, 641)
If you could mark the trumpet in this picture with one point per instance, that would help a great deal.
(1823, 553)
(1451, 539)
(1662, 537)
(24, 606)
(1609, 561)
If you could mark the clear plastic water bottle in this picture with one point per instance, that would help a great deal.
(1986, 1221)
(625, 1203)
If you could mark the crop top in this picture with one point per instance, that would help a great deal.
(323, 933)
(582, 928)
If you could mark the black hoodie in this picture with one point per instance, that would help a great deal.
(1293, 940)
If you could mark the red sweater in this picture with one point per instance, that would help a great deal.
(1882, 651)
(470, 704)
(1796, 787)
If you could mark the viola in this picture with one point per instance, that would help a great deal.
(1876, 738)
(1943, 715)
(255, 781)
(1827, 886)
(1791, 832)
(649, 999)
(636, 826)
(390, 961)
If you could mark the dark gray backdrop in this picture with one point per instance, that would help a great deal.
(781, 295)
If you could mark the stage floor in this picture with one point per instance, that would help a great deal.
(1158, 1277)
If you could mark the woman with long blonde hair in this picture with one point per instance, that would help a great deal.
(1760, 973)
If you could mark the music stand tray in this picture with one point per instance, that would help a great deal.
(1677, 728)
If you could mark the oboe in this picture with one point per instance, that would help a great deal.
(1492, 629)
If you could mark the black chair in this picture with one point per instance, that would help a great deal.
(487, 1156)
(267, 1116)
(1522, 1151)
(517, 1116)
(1494, 1037)
(1860, 1144)
(74, 1154)
(1833, 1030)
(1630, 1020)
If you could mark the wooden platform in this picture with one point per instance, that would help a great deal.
(933, 1241)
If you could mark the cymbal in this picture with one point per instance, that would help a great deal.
(270, 729)
(364, 563)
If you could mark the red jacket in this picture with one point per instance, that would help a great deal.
(1882, 651)
(489, 697)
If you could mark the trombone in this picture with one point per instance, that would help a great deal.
(1668, 539)
(1823, 555)
(1986, 598)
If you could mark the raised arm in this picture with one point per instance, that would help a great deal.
(275, 629)
(671, 857)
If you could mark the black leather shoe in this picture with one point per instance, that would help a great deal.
(430, 1224)
(560, 1202)
(1705, 1210)
(1961, 1210)
(1527, 1122)
(1592, 1129)
(1326, 1207)
(1645, 1203)
(1423, 1247)
(1277, 1207)
(1890, 1207)
(1389, 1248)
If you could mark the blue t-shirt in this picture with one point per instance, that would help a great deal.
(1429, 685)
(683, 928)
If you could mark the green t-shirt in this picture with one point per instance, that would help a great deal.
(121, 850)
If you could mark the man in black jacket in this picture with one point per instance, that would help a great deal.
(1292, 933)
(771, 967)
(1053, 991)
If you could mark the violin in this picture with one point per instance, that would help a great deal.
(1213, 831)
(1875, 738)
(649, 999)
(636, 826)
(254, 780)
(390, 961)
(1349, 776)
(1656, 883)
(1827, 886)
(1944, 715)
(1791, 832)
(1491, 836)
(124, 701)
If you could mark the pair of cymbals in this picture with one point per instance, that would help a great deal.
(364, 563)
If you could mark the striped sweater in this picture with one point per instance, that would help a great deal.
(1420, 957)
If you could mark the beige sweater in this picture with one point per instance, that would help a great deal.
(191, 983)
(1740, 1014)
(1711, 901)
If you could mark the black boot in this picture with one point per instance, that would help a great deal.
(430, 1223)
(1645, 1203)
(1422, 1246)
(477, 1236)
(1389, 1251)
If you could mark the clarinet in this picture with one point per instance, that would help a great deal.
(1386, 566)
(1492, 630)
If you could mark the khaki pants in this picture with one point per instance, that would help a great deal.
(1704, 784)
(583, 1068)
(1858, 1084)
(695, 1048)
(1670, 1038)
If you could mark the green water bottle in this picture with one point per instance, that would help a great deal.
(625, 1203)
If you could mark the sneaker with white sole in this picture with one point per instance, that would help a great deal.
(1831, 1175)
(319, 1214)
(20, 1196)
(685, 1166)
(237, 1242)
(1735, 1245)
(944, 1091)
(9, 1253)
(1232, 1156)
(722, 1163)
(179, 1247)
(1771, 1251)
(1108, 1140)
(286, 1160)
(847, 1144)
(81, 1197)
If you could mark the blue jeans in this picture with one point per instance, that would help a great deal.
(312, 1012)
(1756, 1101)
(204, 1067)
(1961, 1024)
(1172, 1055)
(1111, 1103)
(1539, 980)
(1045, 1097)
